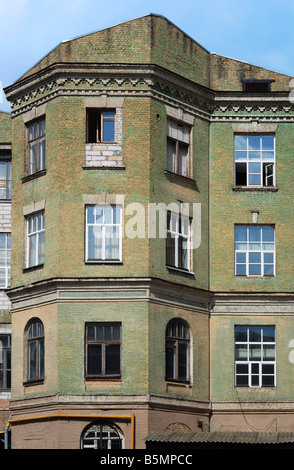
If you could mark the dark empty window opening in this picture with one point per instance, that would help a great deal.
(257, 86)
(100, 126)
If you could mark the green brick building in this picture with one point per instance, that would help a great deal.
(152, 245)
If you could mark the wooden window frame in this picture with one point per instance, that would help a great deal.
(103, 342)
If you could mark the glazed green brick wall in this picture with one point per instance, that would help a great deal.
(5, 128)
(165, 189)
(222, 369)
(64, 184)
(141, 41)
(226, 75)
(142, 181)
(134, 333)
(228, 207)
(174, 50)
(159, 317)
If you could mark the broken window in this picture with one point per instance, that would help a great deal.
(254, 160)
(257, 86)
(100, 125)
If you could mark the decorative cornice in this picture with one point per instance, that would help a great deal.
(145, 80)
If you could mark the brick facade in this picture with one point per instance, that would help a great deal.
(148, 71)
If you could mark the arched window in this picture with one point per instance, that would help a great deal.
(35, 350)
(102, 436)
(177, 351)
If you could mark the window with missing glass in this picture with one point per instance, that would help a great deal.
(255, 356)
(36, 139)
(100, 125)
(5, 362)
(255, 160)
(177, 351)
(103, 350)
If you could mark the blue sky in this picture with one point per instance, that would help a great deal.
(260, 32)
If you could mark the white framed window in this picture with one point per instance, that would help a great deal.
(102, 436)
(254, 250)
(255, 356)
(103, 233)
(255, 160)
(5, 259)
(35, 239)
(36, 135)
(178, 148)
(5, 176)
(178, 241)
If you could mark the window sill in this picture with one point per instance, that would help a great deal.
(32, 268)
(180, 383)
(38, 174)
(104, 167)
(269, 276)
(103, 379)
(256, 188)
(30, 383)
(180, 178)
(97, 262)
(182, 271)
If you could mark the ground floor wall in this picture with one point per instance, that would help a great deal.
(63, 423)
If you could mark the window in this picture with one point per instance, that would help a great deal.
(255, 356)
(103, 344)
(36, 146)
(35, 349)
(254, 160)
(254, 250)
(178, 241)
(103, 233)
(5, 176)
(35, 239)
(178, 148)
(5, 259)
(100, 125)
(5, 362)
(102, 436)
(177, 351)
(257, 86)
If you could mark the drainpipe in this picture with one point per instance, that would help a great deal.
(6, 434)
